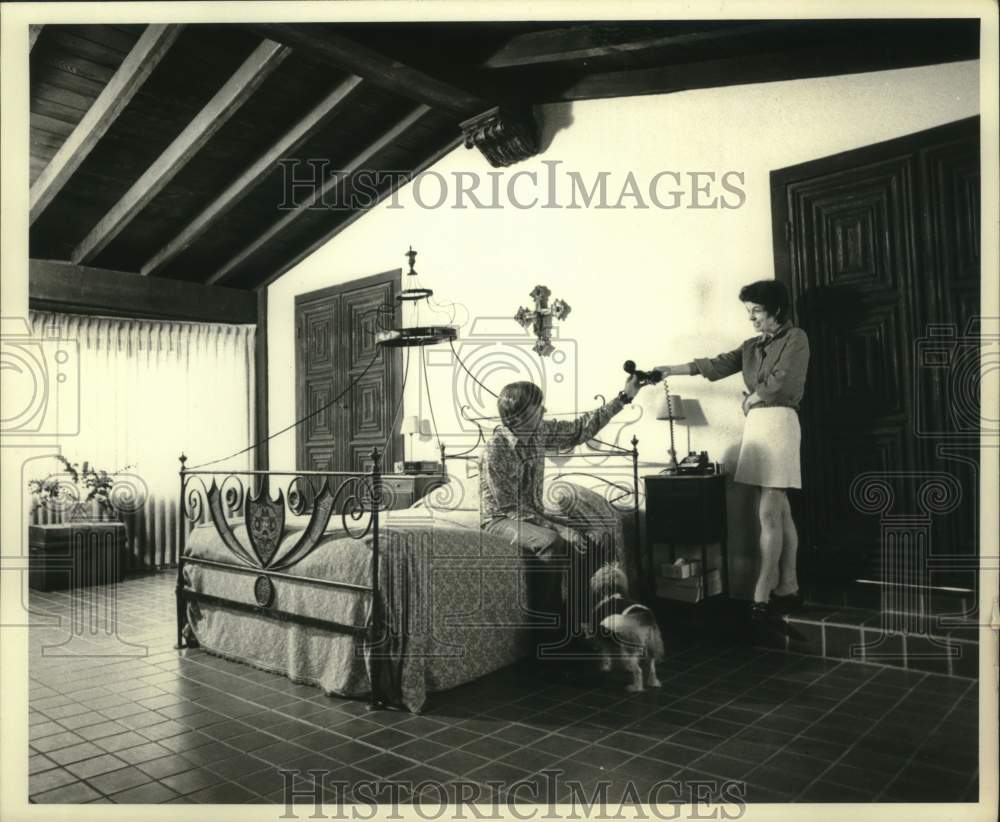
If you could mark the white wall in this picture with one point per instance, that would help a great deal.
(649, 284)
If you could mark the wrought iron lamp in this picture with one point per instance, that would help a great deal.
(409, 336)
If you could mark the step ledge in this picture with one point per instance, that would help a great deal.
(871, 664)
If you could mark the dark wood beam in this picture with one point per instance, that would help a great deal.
(818, 60)
(149, 49)
(324, 192)
(325, 45)
(594, 42)
(226, 101)
(283, 147)
(67, 287)
(261, 454)
(446, 147)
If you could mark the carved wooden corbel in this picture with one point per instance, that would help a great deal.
(505, 134)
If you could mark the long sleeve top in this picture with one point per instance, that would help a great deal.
(773, 366)
(513, 468)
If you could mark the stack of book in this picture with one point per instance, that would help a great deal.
(683, 580)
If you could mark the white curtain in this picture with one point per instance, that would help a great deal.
(149, 390)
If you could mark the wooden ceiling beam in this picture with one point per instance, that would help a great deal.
(64, 286)
(447, 146)
(226, 101)
(847, 56)
(243, 184)
(325, 45)
(594, 42)
(149, 49)
(323, 192)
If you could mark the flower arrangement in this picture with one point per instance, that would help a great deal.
(75, 488)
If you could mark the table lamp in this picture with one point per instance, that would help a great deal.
(671, 409)
(410, 426)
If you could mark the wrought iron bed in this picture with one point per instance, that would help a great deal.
(358, 498)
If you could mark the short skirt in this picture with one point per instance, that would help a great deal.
(769, 452)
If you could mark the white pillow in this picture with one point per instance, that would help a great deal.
(457, 494)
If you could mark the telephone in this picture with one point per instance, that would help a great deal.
(695, 463)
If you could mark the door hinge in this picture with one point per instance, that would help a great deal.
(789, 230)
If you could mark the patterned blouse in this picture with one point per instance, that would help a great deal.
(513, 468)
(773, 366)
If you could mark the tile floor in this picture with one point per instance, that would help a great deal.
(169, 727)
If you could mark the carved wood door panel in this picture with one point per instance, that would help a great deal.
(318, 381)
(335, 347)
(877, 246)
(374, 398)
(948, 364)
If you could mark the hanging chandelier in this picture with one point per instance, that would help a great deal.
(410, 336)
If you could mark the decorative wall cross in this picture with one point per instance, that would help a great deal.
(540, 320)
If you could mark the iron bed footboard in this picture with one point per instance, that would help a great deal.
(355, 496)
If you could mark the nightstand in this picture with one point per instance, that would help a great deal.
(686, 516)
(402, 490)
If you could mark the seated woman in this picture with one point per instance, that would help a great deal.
(511, 502)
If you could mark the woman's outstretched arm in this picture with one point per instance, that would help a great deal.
(712, 368)
(685, 369)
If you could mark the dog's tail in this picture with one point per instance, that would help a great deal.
(644, 617)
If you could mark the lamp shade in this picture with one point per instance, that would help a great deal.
(670, 407)
(410, 425)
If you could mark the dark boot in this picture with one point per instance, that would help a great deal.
(785, 603)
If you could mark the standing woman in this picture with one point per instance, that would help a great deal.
(773, 365)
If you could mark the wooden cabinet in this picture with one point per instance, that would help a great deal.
(75, 555)
(686, 516)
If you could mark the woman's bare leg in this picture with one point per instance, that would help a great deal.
(788, 582)
(770, 511)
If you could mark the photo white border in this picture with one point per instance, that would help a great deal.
(14, 153)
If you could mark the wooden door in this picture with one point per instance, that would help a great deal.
(338, 362)
(372, 417)
(319, 379)
(879, 249)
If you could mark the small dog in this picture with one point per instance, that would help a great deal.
(623, 629)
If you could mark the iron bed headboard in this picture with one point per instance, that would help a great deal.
(606, 450)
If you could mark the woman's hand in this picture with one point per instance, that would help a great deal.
(673, 370)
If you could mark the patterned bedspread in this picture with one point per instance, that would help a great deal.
(453, 598)
(451, 595)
